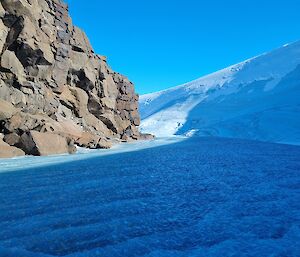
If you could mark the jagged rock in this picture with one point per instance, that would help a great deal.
(3, 32)
(13, 139)
(7, 151)
(22, 122)
(7, 110)
(42, 144)
(10, 62)
(52, 81)
(2, 11)
(92, 141)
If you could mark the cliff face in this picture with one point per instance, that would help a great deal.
(54, 88)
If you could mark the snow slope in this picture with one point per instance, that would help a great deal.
(256, 99)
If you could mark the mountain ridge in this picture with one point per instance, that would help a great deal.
(192, 107)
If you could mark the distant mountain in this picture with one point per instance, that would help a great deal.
(256, 99)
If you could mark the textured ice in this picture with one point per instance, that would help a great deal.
(13, 164)
(197, 197)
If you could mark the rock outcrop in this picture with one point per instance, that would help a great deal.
(7, 151)
(37, 143)
(54, 87)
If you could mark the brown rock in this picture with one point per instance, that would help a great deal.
(7, 151)
(146, 137)
(92, 141)
(22, 121)
(12, 139)
(104, 143)
(42, 144)
(7, 110)
(71, 146)
(51, 81)
(10, 62)
(2, 11)
(3, 32)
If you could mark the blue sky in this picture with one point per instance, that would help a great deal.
(163, 43)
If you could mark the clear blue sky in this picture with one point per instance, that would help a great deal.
(163, 43)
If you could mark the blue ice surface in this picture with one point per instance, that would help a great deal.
(198, 197)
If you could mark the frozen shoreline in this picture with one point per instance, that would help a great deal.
(22, 163)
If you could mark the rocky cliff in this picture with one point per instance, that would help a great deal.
(55, 92)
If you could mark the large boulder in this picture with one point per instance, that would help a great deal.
(7, 151)
(42, 144)
(92, 141)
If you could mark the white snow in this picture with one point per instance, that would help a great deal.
(169, 120)
(256, 99)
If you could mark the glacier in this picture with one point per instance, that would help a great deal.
(200, 196)
(256, 99)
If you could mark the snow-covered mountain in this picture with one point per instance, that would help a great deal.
(256, 99)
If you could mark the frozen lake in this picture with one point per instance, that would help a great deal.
(195, 197)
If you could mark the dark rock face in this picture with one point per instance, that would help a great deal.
(51, 81)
